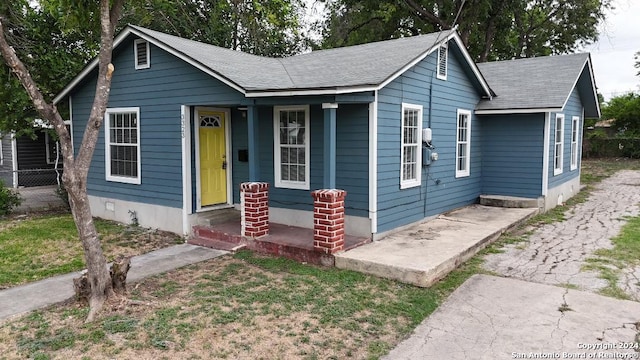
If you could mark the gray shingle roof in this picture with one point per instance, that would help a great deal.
(353, 66)
(532, 83)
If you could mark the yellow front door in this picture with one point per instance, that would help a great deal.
(213, 161)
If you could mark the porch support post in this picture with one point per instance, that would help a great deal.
(329, 145)
(328, 220)
(253, 143)
(254, 209)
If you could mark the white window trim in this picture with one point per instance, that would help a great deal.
(446, 62)
(467, 171)
(279, 183)
(557, 170)
(107, 147)
(405, 184)
(135, 55)
(575, 135)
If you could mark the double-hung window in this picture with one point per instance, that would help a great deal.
(122, 145)
(463, 143)
(291, 146)
(575, 125)
(558, 149)
(411, 141)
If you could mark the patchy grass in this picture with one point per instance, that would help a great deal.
(624, 253)
(42, 246)
(243, 306)
(596, 170)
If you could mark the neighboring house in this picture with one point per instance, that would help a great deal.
(27, 161)
(410, 128)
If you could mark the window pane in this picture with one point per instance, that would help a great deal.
(284, 172)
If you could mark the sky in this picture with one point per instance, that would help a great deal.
(613, 54)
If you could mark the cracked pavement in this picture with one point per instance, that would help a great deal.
(555, 253)
(525, 314)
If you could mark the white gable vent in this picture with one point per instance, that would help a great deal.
(442, 62)
(141, 54)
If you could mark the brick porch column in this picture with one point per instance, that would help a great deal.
(254, 209)
(328, 220)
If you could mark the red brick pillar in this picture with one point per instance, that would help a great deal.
(254, 209)
(328, 220)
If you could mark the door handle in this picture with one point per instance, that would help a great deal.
(224, 165)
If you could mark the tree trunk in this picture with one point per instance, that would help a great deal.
(76, 168)
(119, 270)
(97, 272)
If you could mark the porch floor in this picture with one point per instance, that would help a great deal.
(288, 241)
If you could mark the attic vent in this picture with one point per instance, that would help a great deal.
(442, 62)
(141, 54)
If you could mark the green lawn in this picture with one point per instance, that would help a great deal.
(41, 246)
(242, 306)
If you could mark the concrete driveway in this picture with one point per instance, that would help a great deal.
(529, 312)
(495, 318)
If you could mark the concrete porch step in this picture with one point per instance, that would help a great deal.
(510, 201)
(216, 244)
(220, 216)
(427, 252)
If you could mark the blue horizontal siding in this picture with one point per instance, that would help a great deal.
(352, 159)
(513, 150)
(397, 207)
(159, 92)
(571, 109)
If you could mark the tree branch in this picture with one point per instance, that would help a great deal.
(426, 15)
(46, 110)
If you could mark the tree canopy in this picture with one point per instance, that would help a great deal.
(57, 38)
(491, 29)
(625, 109)
(53, 54)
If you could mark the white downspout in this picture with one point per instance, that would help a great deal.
(373, 164)
(186, 168)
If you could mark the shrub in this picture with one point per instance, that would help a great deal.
(9, 199)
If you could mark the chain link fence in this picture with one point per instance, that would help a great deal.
(31, 177)
(38, 188)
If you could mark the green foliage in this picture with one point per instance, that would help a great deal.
(52, 54)
(491, 29)
(625, 109)
(9, 199)
(261, 27)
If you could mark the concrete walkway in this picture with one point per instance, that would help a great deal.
(555, 253)
(425, 253)
(21, 299)
(495, 318)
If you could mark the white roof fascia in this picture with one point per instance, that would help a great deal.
(473, 66)
(452, 35)
(575, 82)
(189, 60)
(92, 65)
(338, 91)
(516, 111)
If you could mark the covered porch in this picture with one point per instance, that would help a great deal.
(276, 198)
(287, 241)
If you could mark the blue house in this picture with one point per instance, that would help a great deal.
(409, 128)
